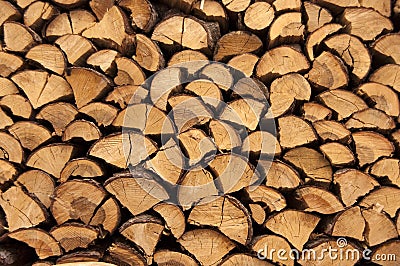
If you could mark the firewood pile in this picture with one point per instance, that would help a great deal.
(199, 132)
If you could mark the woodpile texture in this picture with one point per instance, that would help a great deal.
(124, 124)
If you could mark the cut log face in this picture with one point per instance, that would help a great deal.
(54, 60)
(328, 72)
(392, 247)
(9, 171)
(387, 168)
(83, 129)
(73, 235)
(76, 200)
(142, 12)
(22, 211)
(272, 242)
(386, 75)
(385, 51)
(204, 251)
(282, 176)
(144, 231)
(18, 105)
(313, 199)
(128, 72)
(314, 165)
(30, 134)
(81, 167)
(18, 37)
(42, 88)
(257, 213)
(317, 16)
(107, 216)
(38, 13)
(269, 197)
(9, 12)
(331, 131)
(148, 55)
(245, 63)
(349, 223)
(131, 190)
(39, 184)
(10, 148)
(259, 16)
(59, 115)
(385, 197)
(104, 60)
(261, 143)
(345, 180)
(366, 143)
(295, 226)
(103, 114)
(380, 227)
(121, 253)
(236, 43)
(338, 154)
(314, 112)
(43, 243)
(286, 29)
(318, 36)
(174, 218)
(370, 119)
(294, 131)
(76, 48)
(9, 64)
(271, 66)
(167, 257)
(237, 227)
(357, 20)
(51, 158)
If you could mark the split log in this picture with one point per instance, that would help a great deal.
(69, 3)
(125, 255)
(259, 16)
(142, 13)
(74, 235)
(113, 149)
(271, 65)
(236, 5)
(179, 31)
(5, 120)
(344, 103)
(319, 200)
(103, 114)
(10, 148)
(218, 74)
(211, 11)
(81, 167)
(282, 176)
(38, 13)
(99, 8)
(43, 243)
(386, 75)
(81, 257)
(144, 231)
(384, 50)
(318, 36)
(385, 198)
(366, 143)
(76, 48)
(8, 173)
(87, 85)
(42, 88)
(236, 43)
(387, 168)
(58, 114)
(7, 87)
(295, 226)
(257, 213)
(312, 163)
(54, 60)
(381, 96)
(365, 23)
(353, 53)
(80, 203)
(38, 183)
(126, 94)
(104, 60)
(174, 218)
(18, 37)
(219, 130)
(148, 55)
(9, 12)
(204, 251)
(317, 16)
(391, 247)
(107, 217)
(328, 72)
(370, 119)
(245, 63)
(112, 31)
(294, 132)
(380, 227)
(207, 90)
(266, 243)
(285, 91)
(261, 144)
(314, 112)
(51, 158)
(338, 154)
(345, 180)
(197, 146)
(128, 72)
(268, 197)
(17, 105)
(22, 210)
(237, 226)
(167, 257)
(130, 190)
(332, 131)
(286, 29)
(9, 64)
(82, 129)
(349, 223)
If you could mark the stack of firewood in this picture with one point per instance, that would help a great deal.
(123, 124)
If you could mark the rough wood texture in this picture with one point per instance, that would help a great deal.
(199, 132)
